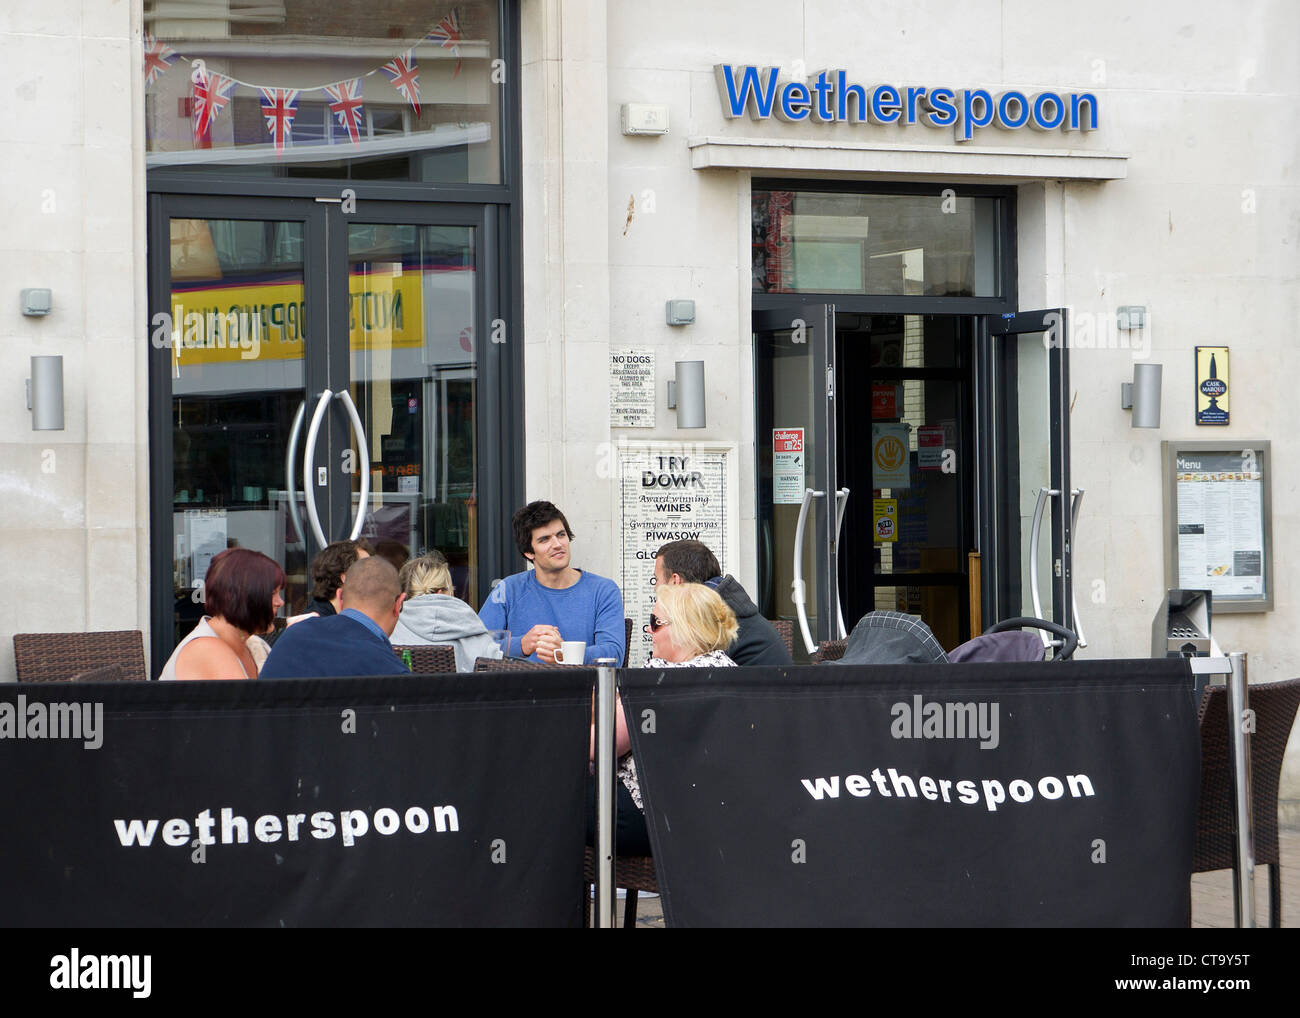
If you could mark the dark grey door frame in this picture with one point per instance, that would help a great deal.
(819, 322)
(999, 517)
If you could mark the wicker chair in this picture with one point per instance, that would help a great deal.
(829, 650)
(509, 664)
(429, 658)
(785, 629)
(58, 657)
(1274, 704)
(634, 872)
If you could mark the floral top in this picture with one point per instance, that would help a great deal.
(627, 766)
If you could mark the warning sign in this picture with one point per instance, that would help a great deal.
(788, 465)
(889, 456)
(884, 516)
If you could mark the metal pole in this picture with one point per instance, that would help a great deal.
(606, 804)
(1244, 874)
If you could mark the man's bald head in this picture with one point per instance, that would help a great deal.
(370, 586)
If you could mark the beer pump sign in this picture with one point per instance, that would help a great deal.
(1212, 385)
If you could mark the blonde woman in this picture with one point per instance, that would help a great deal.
(691, 626)
(431, 613)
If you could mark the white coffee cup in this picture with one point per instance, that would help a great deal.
(571, 652)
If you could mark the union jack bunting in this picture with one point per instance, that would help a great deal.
(210, 93)
(447, 34)
(405, 76)
(279, 105)
(157, 58)
(345, 104)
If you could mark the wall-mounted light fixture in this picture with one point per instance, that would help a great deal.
(45, 394)
(1142, 395)
(686, 394)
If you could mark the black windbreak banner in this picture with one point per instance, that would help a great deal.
(923, 795)
(422, 801)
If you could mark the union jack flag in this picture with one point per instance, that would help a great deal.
(157, 58)
(210, 92)
(345, 103)
(447, 34)
(279, 106)
(405, 76)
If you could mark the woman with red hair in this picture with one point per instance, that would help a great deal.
(242, 593)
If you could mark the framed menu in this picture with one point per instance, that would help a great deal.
(1219, 521)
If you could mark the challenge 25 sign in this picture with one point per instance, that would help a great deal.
(829, 97)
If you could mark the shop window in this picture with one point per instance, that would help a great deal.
(939, 244)
(354, 89)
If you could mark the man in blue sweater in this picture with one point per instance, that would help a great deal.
(353, 642)
(554, 602)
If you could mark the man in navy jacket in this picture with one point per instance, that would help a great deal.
(353, 642)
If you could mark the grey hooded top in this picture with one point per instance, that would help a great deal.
(441, 618)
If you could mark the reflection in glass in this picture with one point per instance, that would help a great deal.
(937, 245)
(239, 327)
(354, 89)
(412, 334)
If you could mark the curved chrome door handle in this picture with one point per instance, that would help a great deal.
(364, 449)
(841, 500)
(1077, 498)
(797, 591)
(295, 432)
(1043, 494)
(309, 466)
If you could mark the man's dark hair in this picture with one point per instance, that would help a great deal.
(239, 586)
(691, 560)
(532, 516)
(328, 567)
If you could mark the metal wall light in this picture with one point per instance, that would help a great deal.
(45, 394)
(686, 394)
(1142, 395)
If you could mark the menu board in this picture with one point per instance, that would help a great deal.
(1220, 537)
(632, 388)
(671, 492)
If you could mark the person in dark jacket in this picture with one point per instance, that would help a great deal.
(758, 642)
(353, 642)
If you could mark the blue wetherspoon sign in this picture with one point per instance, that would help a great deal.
(828, 97)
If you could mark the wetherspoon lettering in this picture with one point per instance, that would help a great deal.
(830, 98)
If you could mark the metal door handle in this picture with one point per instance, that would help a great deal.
(1076, 495)
(841, 500)
(797, 592)
(1043, 494)
(364, 449)
(295, 432)
(309, 467)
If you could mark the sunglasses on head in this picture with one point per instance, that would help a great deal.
(656, 623)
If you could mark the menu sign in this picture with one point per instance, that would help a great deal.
(671, 492)
(632, 389)
(1218, 522)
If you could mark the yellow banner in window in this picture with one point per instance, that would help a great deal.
(268, 321)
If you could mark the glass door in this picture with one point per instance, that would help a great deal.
(1029, 509)
(236, 357)
(415, 319)
(316, 368)
(799, 502)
